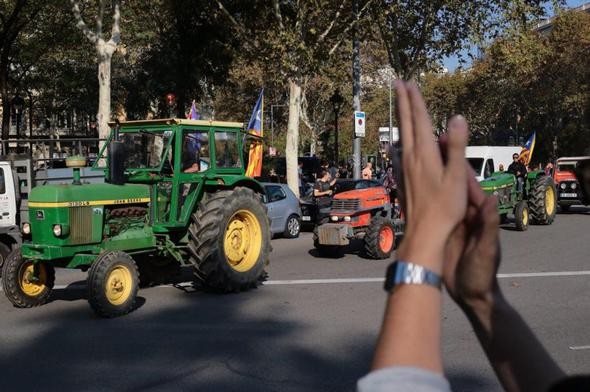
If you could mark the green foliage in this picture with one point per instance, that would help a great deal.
(527, 81)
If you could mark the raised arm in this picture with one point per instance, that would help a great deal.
(472, 259)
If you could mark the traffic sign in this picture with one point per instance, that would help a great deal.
(359, 124)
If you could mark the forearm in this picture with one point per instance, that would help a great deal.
(410, 335)
(518, 358)
(402, 341)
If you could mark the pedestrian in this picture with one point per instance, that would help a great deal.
(463, 253)
(367, 173)
(501, 167)
(390, 184)
(301, 179)
(549, 169)
(273, 176)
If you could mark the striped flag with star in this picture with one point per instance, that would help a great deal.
(255, 127)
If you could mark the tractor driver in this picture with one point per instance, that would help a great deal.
(519, 170)
(190, 157)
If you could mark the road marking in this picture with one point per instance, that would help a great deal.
(542, 274)
(324, 281)
(292, 282)
(579, 347)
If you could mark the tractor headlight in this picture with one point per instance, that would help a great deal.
(334, 218)
(573, 185)
(26, 228)
(347, 219)
(562, 185)
(57, 230)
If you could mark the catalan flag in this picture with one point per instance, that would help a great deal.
(255, 127)
(527, 150)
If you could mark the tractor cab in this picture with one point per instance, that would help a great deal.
(178, 159)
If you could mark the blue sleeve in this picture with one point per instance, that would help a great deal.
(398, 379)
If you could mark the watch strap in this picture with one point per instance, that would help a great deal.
(404, 272)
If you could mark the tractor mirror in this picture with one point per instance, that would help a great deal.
(583, 176)
(116, 163)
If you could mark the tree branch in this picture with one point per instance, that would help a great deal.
(331, 26)
(350, 26)
(277, 11)
(81, 24)
(99, 18)
(116, 29)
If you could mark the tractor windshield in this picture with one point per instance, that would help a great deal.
(566, 167)
(145, 150)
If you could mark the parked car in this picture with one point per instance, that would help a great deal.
(283, 210)
(310, 214)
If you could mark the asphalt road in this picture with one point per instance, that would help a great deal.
(288, 335)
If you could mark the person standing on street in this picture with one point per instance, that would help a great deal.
(322, 191)
(367, 173)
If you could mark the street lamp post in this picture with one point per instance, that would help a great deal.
(337, 101)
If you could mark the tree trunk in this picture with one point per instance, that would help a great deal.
(292, 147)
(313, 144)
(104, 92)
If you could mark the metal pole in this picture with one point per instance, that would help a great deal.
(356, 88)
(272, 128)
(390, 111)
(335, 137)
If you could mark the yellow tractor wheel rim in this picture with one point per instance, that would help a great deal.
(118, 285)
(549, 200)
(242, 240)
(525, 217)
(30, 285)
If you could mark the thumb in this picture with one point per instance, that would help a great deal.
(456, 143)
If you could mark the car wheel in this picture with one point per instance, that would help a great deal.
(293, 227)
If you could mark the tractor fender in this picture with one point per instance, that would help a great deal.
(227, 182)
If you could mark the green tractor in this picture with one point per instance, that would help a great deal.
(535, 204)
(175, 195)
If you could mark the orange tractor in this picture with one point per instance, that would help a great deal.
(365, 212)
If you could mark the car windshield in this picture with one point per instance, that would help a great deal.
(145, 150)
(476, 164)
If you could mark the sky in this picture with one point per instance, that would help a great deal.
(452, 62)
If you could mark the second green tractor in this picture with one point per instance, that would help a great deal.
(536, 203)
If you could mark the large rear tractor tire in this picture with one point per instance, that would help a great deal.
(112, 284)
(521, 216)
(4, 251)
(380, 238)
(543, 201)
(26, 284)
(229, 241)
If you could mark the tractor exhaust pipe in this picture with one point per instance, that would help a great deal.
(116, 158)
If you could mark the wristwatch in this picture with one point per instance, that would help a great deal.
(403, 272)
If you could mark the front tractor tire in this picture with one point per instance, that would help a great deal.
(521, 216)
(380, 238)
(229, 241)
(26, 284)
(112, 284)
(543, 201)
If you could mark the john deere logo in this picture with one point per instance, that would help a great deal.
(40, 215)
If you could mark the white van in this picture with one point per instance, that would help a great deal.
(487, 159)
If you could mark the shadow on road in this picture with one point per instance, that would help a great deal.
(205, 343)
